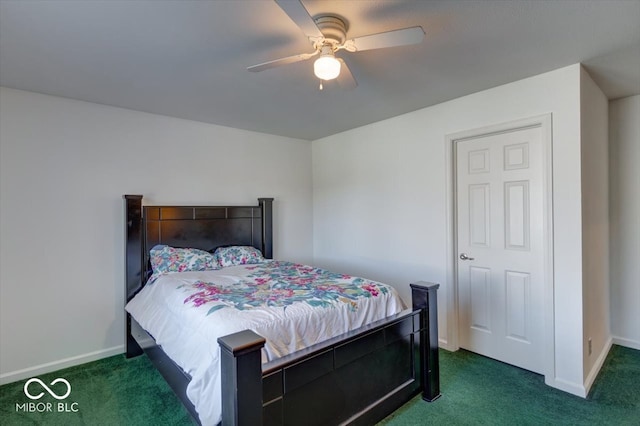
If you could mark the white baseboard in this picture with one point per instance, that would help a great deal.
(565, 386)
(591, 377)
(633, 344)
(444, 344)
(14, 376)
(582, 390)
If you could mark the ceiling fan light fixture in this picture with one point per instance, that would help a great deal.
(326, 67)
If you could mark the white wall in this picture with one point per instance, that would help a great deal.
(64, 167)
(380, 199)
(624, 175)
(594, 136)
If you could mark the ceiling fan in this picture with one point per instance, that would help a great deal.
(328, 34)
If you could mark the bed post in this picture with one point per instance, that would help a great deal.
(241, 374)
(424, 297)
(133, 262)
(267, 226)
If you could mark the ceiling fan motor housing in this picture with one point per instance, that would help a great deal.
(333, 28)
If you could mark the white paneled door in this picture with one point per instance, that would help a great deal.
(500, 253)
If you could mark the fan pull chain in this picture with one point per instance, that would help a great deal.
(321, 86)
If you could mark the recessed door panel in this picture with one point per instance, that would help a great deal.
(480, 283)
(516, 206)
(517, 304)
(516, 156)
(479, 161)
(479, 215)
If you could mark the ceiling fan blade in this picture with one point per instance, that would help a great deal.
(402, 37)
(299, 14)
(345, 79)
(282, 61)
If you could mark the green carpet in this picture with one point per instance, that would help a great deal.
(480, 391)
(475, 391)
(113, 391)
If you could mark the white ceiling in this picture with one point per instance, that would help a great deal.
(188, 59)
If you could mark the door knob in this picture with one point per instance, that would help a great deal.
(463, 256)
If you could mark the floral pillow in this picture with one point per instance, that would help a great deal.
(170, 259)
(237, 255)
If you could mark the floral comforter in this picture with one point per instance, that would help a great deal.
(292, 306)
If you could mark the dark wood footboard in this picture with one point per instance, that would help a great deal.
(356, 378)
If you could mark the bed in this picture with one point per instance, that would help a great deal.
(356, 377)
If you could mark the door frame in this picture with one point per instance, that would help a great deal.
(545, 123)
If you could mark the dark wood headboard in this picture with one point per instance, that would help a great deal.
(201, 227)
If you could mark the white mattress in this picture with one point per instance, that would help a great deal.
(178, 310)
